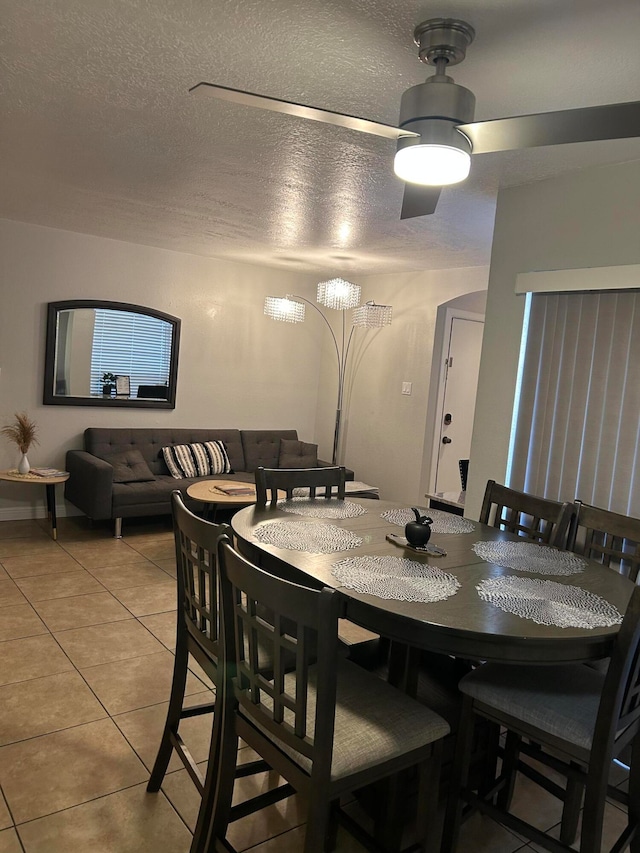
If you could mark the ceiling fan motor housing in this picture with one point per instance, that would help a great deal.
(434, 109)
(443, 39)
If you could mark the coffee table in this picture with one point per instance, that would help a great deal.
(208, 492)
(49, 483)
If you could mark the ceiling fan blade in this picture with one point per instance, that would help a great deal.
(250, 99)
(589, 124)
(419, 200)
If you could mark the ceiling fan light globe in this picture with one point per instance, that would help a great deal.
(432, 165)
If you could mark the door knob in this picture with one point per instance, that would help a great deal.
(446, 440)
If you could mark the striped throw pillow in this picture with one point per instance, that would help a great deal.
(197, 460)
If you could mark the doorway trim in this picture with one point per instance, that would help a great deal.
(437, 389)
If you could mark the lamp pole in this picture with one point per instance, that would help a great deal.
(340, 295)
(342, 353)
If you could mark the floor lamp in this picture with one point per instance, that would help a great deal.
(340, 295)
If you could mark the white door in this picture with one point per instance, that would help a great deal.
(456, 416)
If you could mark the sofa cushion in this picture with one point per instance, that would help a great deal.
(262, 446)
(297, 454)
(196, 460)
(154, 498)
(129, 467)
(104, 441)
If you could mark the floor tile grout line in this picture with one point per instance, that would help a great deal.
(83, 803)
(273, 837)
(108, 715)
(6, 802)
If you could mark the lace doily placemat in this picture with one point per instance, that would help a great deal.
(529, 557)
(549, 602)
(321, 507)
(443, 522)
(307, 536)
(396, 578)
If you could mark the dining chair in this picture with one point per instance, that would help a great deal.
(534, 518)
(608, 537)
(327, 726)
(197, 634)
(570, 718)
(326, 482)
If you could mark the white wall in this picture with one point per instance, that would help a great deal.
(235, 366)
(383, 430)
(586, 219)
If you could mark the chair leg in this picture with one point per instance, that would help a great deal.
(334, 823)
(571, 810)
(490, 768)
(509, 770)
(319, 824)
(176, 700)
(594, 805)
(459, 778)
(226, 774)
(428, 797)
(207, 803)
(389, 820)
(634, 794)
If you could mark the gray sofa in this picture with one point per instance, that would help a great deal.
(90, 486)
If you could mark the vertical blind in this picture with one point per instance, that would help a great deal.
(129, 344)
(577, 431)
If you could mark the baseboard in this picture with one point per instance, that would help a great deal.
(19, 513)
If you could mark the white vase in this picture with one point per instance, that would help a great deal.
(23, 465)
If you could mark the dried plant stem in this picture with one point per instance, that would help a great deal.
(22, 432)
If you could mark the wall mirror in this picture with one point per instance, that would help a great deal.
(110, 354)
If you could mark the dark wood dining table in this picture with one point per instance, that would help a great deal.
(463, 625)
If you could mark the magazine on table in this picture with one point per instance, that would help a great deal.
(47, 472)
(233, 491)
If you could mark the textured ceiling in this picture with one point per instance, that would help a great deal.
(100, 136)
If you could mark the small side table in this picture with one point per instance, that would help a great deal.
(49, 483)
(452, 502)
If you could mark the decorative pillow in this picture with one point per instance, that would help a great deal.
(129, 467)
(197, 460)
(297, 454)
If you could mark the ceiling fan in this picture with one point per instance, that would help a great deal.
(436, 134)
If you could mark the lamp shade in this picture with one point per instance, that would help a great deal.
(284, 308)
(339, 294)
(372, 316)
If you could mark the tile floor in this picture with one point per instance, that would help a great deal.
(86, 635)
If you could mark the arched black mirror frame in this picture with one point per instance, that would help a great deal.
(52, 399)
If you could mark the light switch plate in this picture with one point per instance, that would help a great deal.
(406, 388)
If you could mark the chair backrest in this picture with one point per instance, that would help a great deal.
(302, 630)
(532, 517)
(608, 537)
(619, 711)
(463, 465)
(326, 482)
(197, 574)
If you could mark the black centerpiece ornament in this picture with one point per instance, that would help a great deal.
(418, 532)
